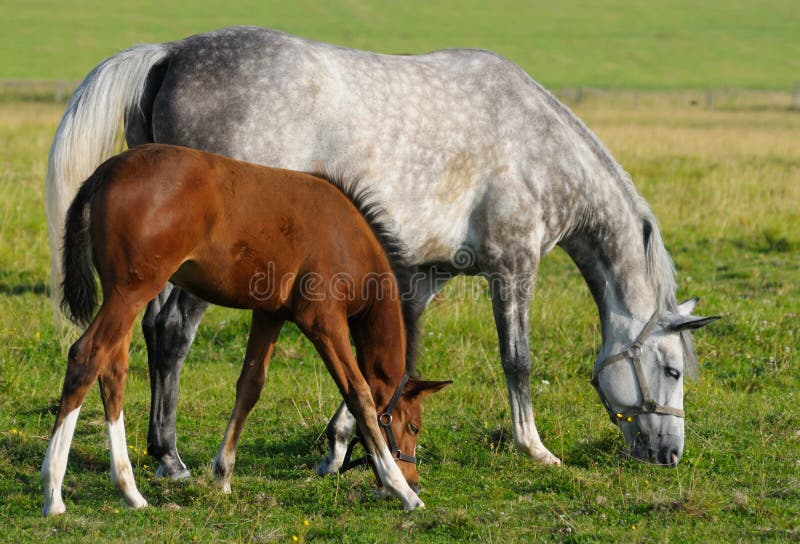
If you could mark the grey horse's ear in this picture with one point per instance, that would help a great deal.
(680, 322)
(687, 307)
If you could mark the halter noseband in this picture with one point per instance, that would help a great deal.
(633, 352)
(385, 421)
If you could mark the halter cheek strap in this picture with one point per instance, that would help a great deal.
(385, 421)
(634, 353)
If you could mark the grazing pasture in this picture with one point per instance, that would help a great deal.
(610, 43)
(726, 188)
(724, 183)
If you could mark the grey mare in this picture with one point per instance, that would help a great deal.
(480, 169)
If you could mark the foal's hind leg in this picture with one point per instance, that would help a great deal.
(169, 326)
(264, 330)
(112, 389)
(100, 352)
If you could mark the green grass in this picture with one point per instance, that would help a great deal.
(725, 186)
(610, 44)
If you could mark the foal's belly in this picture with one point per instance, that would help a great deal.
(224, 286)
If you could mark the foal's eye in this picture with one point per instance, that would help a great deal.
(413, 428)
(673, 372)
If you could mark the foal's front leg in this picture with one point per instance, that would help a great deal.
(264, 330)
(339, 430)
(333, 344)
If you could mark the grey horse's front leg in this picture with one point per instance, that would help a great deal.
(511, 296)
(169, 325)
(427, 282)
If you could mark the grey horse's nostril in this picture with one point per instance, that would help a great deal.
(668, 457)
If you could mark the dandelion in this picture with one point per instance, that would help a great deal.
(295, 538)
(633, 527)
(306, 522)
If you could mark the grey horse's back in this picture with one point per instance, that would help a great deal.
(432, 135)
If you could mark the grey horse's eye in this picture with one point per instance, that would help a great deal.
(673, 372)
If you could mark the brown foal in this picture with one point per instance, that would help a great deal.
(288, 245)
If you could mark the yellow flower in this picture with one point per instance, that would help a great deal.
(295, 538)
(306, 522)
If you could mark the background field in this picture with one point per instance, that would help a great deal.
(609, 43)
(725, 184)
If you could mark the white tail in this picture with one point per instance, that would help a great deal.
(86, 137)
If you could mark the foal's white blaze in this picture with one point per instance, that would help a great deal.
(121, 469)
(55, 464)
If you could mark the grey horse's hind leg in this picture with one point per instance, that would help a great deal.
(511, 296)
(341, 426)
(169, 326)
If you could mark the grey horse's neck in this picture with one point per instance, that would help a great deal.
(617, 246)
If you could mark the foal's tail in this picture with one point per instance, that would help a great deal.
(79, 292)
(87, 135)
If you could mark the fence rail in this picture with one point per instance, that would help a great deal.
(59, 91)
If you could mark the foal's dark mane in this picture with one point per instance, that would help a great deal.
(396, 252)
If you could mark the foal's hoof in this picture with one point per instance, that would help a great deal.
(326, 468)
(414, 504)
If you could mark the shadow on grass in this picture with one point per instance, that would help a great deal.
(36, 288)
(593, 451)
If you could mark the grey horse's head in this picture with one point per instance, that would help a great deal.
(641, 384)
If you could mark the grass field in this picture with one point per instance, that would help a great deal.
(725, 184)
(726, 187)
(611, 44)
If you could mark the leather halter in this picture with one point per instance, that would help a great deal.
(648, 405)
(385, 421)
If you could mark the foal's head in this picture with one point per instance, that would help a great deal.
(402, 426)
(641, 385)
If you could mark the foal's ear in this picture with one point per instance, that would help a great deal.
(422, 388)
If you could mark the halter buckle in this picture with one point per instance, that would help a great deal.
(385, 419)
